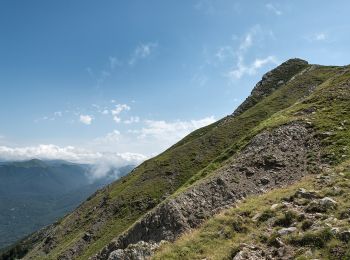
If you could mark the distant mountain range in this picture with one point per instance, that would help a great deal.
(36, 193)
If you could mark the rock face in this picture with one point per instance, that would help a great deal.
(140, 250)
(271, 81)
(322, 205)
(250, 253)
(277, 156)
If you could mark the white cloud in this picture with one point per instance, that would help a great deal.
(86, 119)
(251, 69)
(102, 161)
(51, 117)
(321, 36)
(111, 137)
(120, 108)
(117, 119)
(133, 119)
(142, 51)
(90, 72)
(58, 113)
(224, 52)
(171, 131)
(273, 9)
(114, 62)
(247, 41)
(117, 110)
(205, 5)
(241, 68)
(200, 78)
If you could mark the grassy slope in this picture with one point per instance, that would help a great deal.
(328, 110)
(243, 126)
(222, 236)
(160, 176)
(184, 163)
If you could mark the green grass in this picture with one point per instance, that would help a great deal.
(189, 161)
(196, 156)
(327, 109)
(218, 239)
(209, 241)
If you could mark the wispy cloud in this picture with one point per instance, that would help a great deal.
(205, 6)
(214, 7)
(171, 131)
(114, 62)
(225, 52)
(200, 79)
(86, 119)
(241, 67)
(54, 116)
(100, 76)
(320, 36)
(250, 69)
(58, 114)
(117, 110)
(273, 9)
(109, 138)
(142, 51)
(131, 120)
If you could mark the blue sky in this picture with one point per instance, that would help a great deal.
(82, 79)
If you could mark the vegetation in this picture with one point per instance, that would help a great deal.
(218, 239)
(178, 167)
(115, 208)
(327, 111)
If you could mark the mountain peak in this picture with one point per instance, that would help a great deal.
(294, 61)
(30, 163)
(271, 81)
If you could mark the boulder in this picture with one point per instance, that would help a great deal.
(250, 253)
(286, 231)
(322, 205)
(344, 236)
(303, 193)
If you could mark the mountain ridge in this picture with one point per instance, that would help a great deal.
(273, 110)
(34, 193)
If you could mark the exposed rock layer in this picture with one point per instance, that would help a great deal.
(272, 159)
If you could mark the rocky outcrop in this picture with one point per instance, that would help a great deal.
(272, 159)
(140, 250)
(250, 252)
(291, 225)
(271, 81)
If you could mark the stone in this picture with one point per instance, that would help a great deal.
(344, 236)
(335, 230)
(303, 193)
(87, 236)
(286, 231)
(274, 206)
(322, 205)
(328, 203)
(139, 251)
(250, 253)
(256, 216)
(328, 133)
(265, 181)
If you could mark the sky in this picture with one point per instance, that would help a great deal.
(121, 81)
